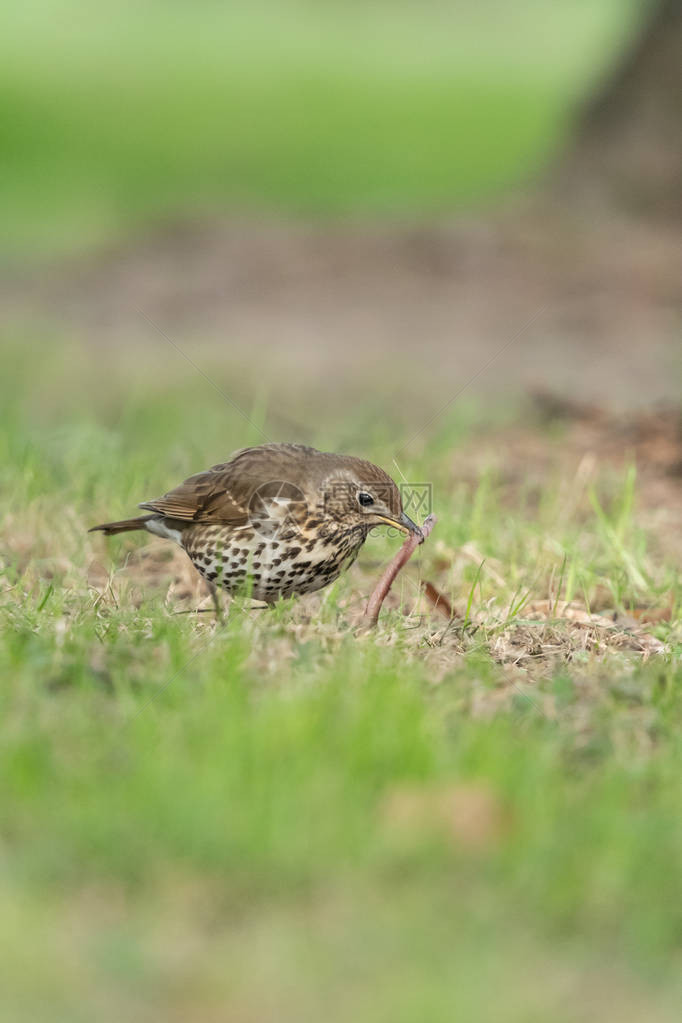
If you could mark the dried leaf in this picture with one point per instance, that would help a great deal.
(439, 600)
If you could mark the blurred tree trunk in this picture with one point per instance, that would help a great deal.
(628, 146)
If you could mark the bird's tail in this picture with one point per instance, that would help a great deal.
(124, 526)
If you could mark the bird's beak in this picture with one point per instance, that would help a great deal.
(411, 527)
(405, 525)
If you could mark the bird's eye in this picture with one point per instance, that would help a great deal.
(365, 499)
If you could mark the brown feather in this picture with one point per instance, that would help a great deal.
(124, 526)
(222, 494)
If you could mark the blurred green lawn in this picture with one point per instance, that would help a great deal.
(116, 116)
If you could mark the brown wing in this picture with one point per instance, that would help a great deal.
(207, 496)
(223, 493)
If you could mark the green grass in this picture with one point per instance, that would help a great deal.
(117, 118)
(202, 823)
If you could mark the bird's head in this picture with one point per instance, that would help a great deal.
(356, 493)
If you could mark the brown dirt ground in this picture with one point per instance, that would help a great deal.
(579, 304)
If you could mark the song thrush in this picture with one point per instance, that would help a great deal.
(274, 520)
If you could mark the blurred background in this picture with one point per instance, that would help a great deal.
(442, 234)
(341, 199)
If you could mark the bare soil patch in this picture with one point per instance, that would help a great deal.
(575, 302)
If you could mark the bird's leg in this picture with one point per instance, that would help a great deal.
(213, 589)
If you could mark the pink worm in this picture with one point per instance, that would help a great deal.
(381, 589)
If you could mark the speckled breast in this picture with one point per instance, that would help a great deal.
(292, 561)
